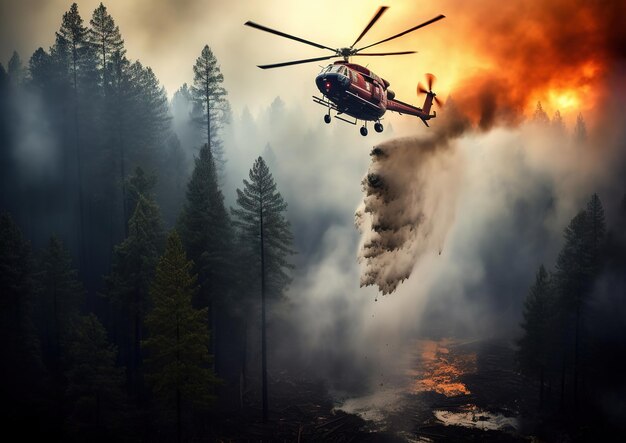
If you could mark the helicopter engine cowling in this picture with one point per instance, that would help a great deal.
(390, 94)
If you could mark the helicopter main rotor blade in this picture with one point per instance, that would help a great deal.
(374, 19)
(387, 53)
(282, 34)
(426, 23)
(296, 62)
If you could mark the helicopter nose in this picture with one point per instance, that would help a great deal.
(331, 82)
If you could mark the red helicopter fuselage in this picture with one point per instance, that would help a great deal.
(356, 91)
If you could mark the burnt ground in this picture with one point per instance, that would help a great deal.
(303, 410)
(490, 401)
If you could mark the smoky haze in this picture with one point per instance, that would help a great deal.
(453, 219)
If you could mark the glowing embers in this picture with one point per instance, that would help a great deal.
(439, 368)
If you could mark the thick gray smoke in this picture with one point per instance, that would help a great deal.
(410, 194)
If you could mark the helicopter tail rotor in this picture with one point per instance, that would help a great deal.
(421, 89)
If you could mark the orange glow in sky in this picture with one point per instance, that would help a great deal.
(484, 53)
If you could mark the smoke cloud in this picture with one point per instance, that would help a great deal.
(410, 194)
(561, 53)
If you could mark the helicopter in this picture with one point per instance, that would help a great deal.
(353, 90)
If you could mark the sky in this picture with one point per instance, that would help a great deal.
(526, 42)
(489, 192)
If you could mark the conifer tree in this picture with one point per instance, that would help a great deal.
(577, 266)
(537, 343)
(94, 384)
(580, 130)
(557, 123)
(138, 185)
(177, 356)
(71, 42)
(128, 285)
(540, 116)
(106, 40)
(74, 59)
(261, 222)
(205, 230)
(596, 231)
(22, 370)
(210, 95)
(39, 70)
(15, 69)
(60, 299)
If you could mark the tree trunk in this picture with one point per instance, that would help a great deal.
(178, 423)
(79, 172)
(208, 113)
(541, 387)
(244, 363)
(563, 383)
(576, 350)
(178, 415)
(120, 142)
(263, 326)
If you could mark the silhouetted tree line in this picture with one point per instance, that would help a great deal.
(573, 319)
(157, 319)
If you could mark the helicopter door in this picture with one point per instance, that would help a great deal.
(376, 93)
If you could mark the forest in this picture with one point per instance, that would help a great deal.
(138, 305)
(146, 285)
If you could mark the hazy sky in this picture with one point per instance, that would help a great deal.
(496, 58)
(168, 36)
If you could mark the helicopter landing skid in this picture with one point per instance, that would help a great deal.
(330, 105)
(347, 121)
(327, 103)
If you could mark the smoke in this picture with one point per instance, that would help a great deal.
(561, 53)
(410, 194)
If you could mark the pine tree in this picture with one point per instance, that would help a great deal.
(578, 264)
(537, 343)
(596, 232)
(39, 70)
(71, 41)
(210, 95)
(177, 361)
(205, 230)
(138, 185)
(60, 299)
(580, 130)
(74, 57)
(557, 123)
(106, 40)
(540, 117)
(94, 384)
(21, 372)
(261, 222)
(16, 69)
(128, 285)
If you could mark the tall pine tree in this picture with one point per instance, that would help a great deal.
(205, 230)
(537, 344)
(128, 285)
(106, 40)
(72, 54)
(21, 371)
(210, 95)
(94, 384)
(59, 302)
(262, 225)
(178, 360)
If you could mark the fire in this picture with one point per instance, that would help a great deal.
(559, 53)
(440, 370)
(564, 100)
